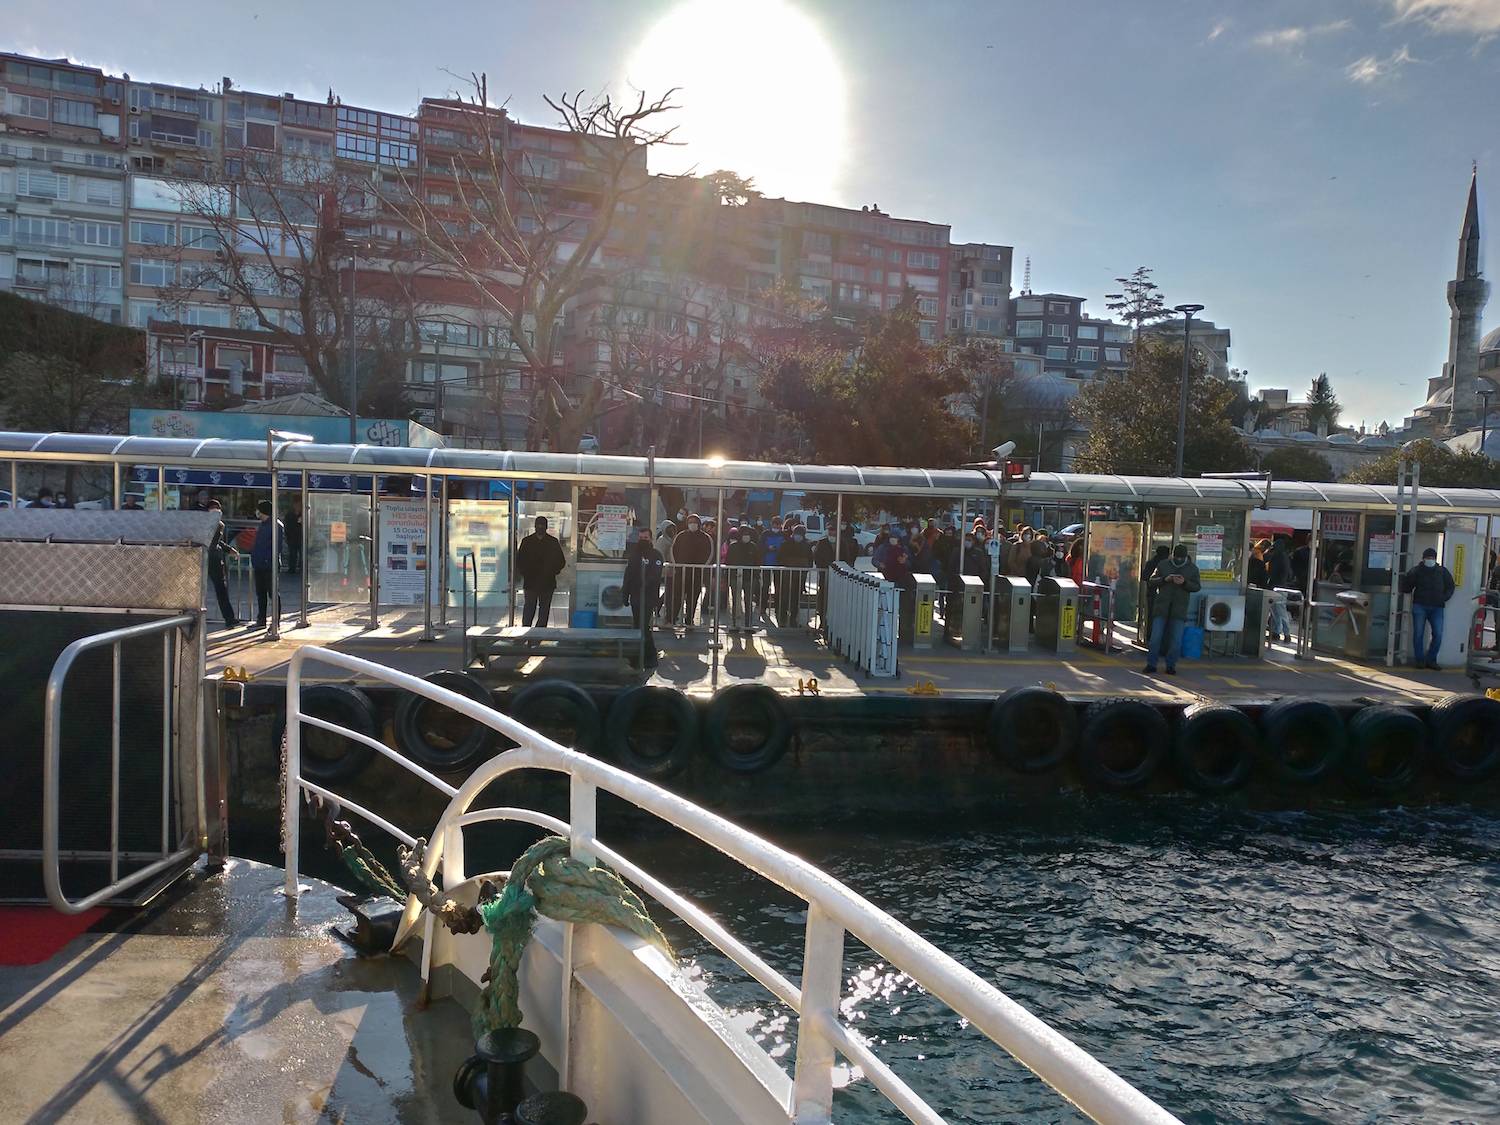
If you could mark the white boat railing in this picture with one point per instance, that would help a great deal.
(833, 911)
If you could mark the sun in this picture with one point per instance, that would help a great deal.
(761, 91)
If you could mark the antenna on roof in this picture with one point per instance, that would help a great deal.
(1026, 281)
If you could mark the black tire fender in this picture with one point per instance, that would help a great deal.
(1033, 730)
(1387, 749)
(1121, 743)
(562, 711)
(1216, 748)
(1466, 737)
(462, 743)
(746, 727)
(327, 757)
(652, 731)
(1303, 740)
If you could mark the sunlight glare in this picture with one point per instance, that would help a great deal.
(761, 91)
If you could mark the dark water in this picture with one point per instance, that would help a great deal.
(1236, 966)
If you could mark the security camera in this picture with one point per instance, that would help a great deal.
(1001, 452)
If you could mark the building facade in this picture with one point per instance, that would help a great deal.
(1072, 344)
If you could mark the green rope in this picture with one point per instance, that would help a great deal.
(369, 870)
(547, 880)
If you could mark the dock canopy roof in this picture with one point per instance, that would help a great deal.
(757, 476)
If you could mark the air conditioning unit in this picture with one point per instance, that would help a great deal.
(114, 101)
(135, 111)
(223, 294)
(1223, 613)
(135, 140)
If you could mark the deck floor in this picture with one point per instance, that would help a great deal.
(224, 1004)
(783, 658)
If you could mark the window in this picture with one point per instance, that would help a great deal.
(105, 193)
(207, 109)
(4, 181)
(813, 240)
(989, 324)
(439, 198)
(992, 277)
(848, 273)
(1028, 328)
(320, 147)
(65, 111)
(200, 238)
(929, 330)
(34, 231)
(23, 106)
(260, 135)
(877, 277)
(1057, 331)
(153, 234)
(308, 113)
(1057, 353)
(1088, 355)
(955, 301)
(28, 74)
(1029, 306)
(1116, 332)
(892, 300)
(152, 271)
(915, 260)
(990, 300)
(205, 138)
(96, 234)
(877, 253)
(927, 306)
(953, 324)
(372, 151)
(1088, 331)
(893, 280)
(93, 276)
(43, 185)
(289, 363)
(922, 283)
(226, 357)
(896, 257)
(968, 320)
(1059, 308)
(1111, 355)
(6, 223)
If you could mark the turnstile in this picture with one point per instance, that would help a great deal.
(927, 595)
(1057, 614)
(964, 626)
(1011, 614)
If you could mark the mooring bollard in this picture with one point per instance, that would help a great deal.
(556, 1108)
(492, 1079)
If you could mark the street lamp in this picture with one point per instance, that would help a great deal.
(1187, 312)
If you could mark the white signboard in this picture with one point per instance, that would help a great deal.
(1382, 551)
(1210, 553)
(613, 525)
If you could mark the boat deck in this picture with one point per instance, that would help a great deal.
(222, 1003)
(785, 658)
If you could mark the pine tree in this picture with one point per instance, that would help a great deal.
(1322, 405)
(1139, 301)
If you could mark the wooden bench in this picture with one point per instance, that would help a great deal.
(484, 643)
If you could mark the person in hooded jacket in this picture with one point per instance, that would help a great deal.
(1019, 554)
(692, 551)
(1040, 563)
(795, 557)
(742, 557)
(1175, 581)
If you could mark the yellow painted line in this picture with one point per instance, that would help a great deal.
(1231, 682)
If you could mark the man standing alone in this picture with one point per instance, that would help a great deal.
(1430, 586)
(265, 561)
(1175, 581)
(539, 560)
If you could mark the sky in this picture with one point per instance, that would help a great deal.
(1298, 167)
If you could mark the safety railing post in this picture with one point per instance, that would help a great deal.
(292, 793)
(822, 978)
(114, 764)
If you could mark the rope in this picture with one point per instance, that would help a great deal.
(547, 880)
(370, 871)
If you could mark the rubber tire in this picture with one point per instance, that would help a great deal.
(1374, 735)
(1314, 733)
(1027, 718)
(1115, 724)
(665, 704)
(550, 706)
(347, 706)
(734, 703)
(1460, 723)
(473, 747)
(1224, 732)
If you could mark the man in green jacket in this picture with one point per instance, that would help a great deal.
(1174, 582)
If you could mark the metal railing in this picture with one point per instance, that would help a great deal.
(863, 619)
(784, 597)
(834, 911)
(52, 764)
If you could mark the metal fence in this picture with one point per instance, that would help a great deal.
(863, 619)
(765, 597)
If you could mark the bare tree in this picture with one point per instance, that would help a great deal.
(523, 230)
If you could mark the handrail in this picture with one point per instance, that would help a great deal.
(833, 910)
(52, 764)
(465, 561)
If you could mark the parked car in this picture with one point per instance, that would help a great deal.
(1071, 530)
(588, 443)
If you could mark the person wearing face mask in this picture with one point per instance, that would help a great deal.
(691, 552)
(795, 556)
(642, 587)
(1430, 585)
(741, 556)
(770, 543)
(1175, 581)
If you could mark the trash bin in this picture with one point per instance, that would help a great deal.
(1012, 614)
(927, 594)
(964, 625)
(1057, 614)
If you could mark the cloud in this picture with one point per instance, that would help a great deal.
(1216, 32)
(1286, 38)
(1481, 17)
(1370, 69)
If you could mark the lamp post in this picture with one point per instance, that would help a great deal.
(1484, 418)
(1187, 312)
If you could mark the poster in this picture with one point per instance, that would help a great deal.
(1114, 558)
(1209, 554)
(1339, 525)
(480, 527)
(613, 521)
(1382, 552)
(403, 551)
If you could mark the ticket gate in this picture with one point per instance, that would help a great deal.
(965, 624)
(1011, 615)
(923, 603)
(1057, 614)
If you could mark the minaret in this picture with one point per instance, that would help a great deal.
(1467, 294)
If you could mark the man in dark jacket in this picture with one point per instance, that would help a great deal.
(1279, 576)
(795, 557)
(539, 560)
(742, 556)
(692, 551)
(1430, 586)
(1158, 561)
(770, 543)
(1175, 581)
(265, 558)
(642, 587)
(218, 568)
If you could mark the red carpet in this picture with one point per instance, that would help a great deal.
(30, 935)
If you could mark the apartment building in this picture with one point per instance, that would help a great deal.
(979, 290)
(1073, 344)
(62, 186)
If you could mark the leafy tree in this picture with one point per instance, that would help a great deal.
(53, 392)
(1441, 467)
(1297, 464)
(1322, 405)
(1139, 301)
(1132, 418)
(877, 394)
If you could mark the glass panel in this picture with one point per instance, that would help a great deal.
(338, 547)
(480, 527)
(1215, 539)
(608, 517)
